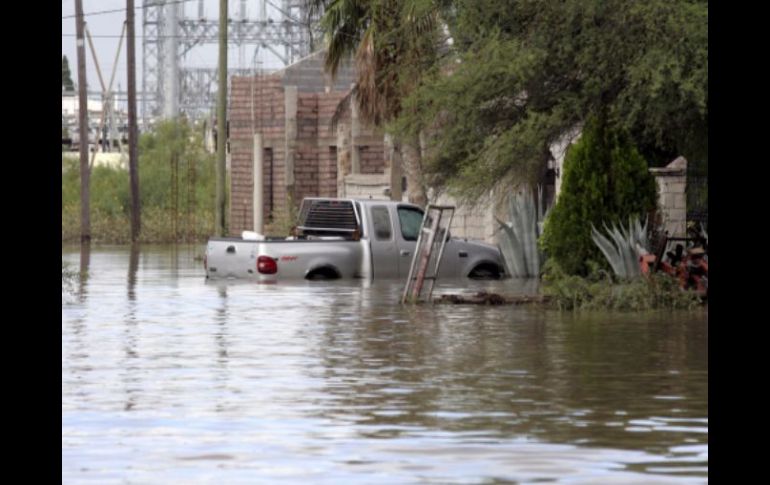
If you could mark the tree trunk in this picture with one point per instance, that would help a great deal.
(393, 164)
(411, 160)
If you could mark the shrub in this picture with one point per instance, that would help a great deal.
(600, 291)
(605, 181)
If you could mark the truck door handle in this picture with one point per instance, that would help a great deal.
(404, 253)
(463, 254)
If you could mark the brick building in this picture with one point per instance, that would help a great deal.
(290, 113)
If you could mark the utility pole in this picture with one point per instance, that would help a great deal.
(85, 175)
(219, 223)
(133, 132)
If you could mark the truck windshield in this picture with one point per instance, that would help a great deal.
(410, 220)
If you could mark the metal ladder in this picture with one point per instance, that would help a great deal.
(426, 240)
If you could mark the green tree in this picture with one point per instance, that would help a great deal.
(520, 74)
(66, 77)
(605, 181)
(169, 141)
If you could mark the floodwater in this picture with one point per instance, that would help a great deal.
(168, 378)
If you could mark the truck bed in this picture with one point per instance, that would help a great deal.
(234, 257)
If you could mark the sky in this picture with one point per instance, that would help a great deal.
(111, 24)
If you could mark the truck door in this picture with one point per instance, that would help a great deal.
(383, 242)
(410, 221)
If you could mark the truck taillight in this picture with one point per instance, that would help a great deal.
(267, 265)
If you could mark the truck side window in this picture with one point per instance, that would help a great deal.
(381, 223)
(410, 220)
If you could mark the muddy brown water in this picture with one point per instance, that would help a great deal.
(168, 378)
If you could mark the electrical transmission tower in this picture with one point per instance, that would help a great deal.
(170, 88)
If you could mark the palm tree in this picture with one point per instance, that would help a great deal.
(393, 42)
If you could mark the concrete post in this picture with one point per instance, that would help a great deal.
(258, 190)
(290, 146)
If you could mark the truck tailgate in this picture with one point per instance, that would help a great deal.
(231, 258)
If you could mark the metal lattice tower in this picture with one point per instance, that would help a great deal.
(282, 27)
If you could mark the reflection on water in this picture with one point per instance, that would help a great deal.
(168, 378)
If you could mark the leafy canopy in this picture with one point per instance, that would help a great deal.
(517, 75)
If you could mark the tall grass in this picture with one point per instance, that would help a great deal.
(169, 143)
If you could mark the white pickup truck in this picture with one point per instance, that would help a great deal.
(346, 238)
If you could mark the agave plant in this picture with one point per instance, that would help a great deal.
(623, 247)
(519, 236)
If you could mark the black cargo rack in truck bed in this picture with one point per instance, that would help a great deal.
(326, 216)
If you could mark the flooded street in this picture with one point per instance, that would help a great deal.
(168, 378)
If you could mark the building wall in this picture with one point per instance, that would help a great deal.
(559, 153)
(259, 105)
(321, 154)
(256, 106)
(473, 221)
(372, 159)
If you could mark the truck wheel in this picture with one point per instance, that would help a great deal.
(485, 272)
(325, 273)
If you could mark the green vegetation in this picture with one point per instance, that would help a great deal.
(170, 212)
(518, 238)
(518, 75)
(605, 181)
(66, 76)
(600, 291)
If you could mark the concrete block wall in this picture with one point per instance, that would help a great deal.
(367, 186)
(472, 221)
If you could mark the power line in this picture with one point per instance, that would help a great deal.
(102, 12)
(110, 36)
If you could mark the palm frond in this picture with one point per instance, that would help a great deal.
(342, 108)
